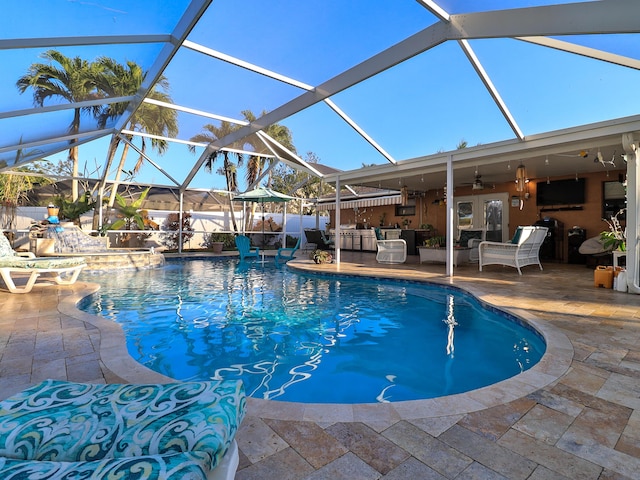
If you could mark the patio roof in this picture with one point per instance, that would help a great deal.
(534, 81)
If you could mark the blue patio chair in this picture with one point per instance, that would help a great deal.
(243, 244)
(286, 253)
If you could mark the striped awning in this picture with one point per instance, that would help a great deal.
(363, 202)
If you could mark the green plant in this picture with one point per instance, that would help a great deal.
(321, 256)
(435, 242)
(216, 237)
(615, 238)
(129, 214)
(73, 210)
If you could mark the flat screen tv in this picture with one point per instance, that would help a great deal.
(561, 192)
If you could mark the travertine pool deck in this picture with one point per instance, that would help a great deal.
(576, 415)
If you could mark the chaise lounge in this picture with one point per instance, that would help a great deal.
(523, 250)
(59, 429)
(40, 271)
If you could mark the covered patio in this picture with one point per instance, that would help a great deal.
(582, 422)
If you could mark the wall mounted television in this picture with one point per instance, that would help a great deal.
(561, 192)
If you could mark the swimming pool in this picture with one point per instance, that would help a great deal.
(309, 338)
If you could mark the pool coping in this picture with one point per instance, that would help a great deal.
(554, 364)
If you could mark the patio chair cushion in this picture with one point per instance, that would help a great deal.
(466, 235)
(516, 236)
(121, 425)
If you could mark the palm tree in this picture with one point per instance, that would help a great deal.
(257, 164)
(229, 169)
(116, 80)
(70, 78)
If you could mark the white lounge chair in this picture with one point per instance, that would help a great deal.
(61, 270)
(523, 249)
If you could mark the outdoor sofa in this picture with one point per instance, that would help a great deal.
(176, 431)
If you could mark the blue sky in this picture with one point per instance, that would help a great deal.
(424, 105)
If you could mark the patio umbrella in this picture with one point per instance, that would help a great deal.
(263, 195)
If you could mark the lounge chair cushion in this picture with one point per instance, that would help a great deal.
(57, 421)
(179, 466)
(41, 262)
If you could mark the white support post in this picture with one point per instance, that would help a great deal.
(450, 212)
(180, 222)
(337, 229)
(633, 211)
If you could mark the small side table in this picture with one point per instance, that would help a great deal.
(617, 254)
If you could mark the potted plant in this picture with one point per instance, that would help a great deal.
(435, 242)
(615, 238)
(321, 256)
(216, 241)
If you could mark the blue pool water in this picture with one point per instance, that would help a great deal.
(307, 338)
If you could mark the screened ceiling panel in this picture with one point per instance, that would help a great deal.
(300, 42)
(398, 103)
(61, 18)
(221, 88)
(547, 89)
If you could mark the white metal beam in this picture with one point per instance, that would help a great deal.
(583, 51)
(57, 42)
(493, 91)
(246, 65)
(63, 106)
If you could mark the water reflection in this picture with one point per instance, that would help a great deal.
(297, 337)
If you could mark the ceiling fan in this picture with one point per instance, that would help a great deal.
(477, 182)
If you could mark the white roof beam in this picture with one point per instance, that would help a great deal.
(193, 111)
(57, 42)
(246, 65)
(64, 106)
(493, 91)
(93, 135)
(364, 134)
(154, 164)
(188, 142)
(612, 16)
(436, 9)
(297, 161)
(583, 51)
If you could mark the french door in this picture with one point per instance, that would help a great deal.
(489, 211)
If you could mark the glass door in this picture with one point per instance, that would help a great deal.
(484, 211)
(493, 209)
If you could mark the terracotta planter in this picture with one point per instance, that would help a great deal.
(217, 247)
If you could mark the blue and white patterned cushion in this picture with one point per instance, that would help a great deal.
(179, 466)
(58, 421)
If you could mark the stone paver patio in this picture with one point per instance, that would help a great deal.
(575, 416)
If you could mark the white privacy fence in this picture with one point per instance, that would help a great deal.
(203, 223)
